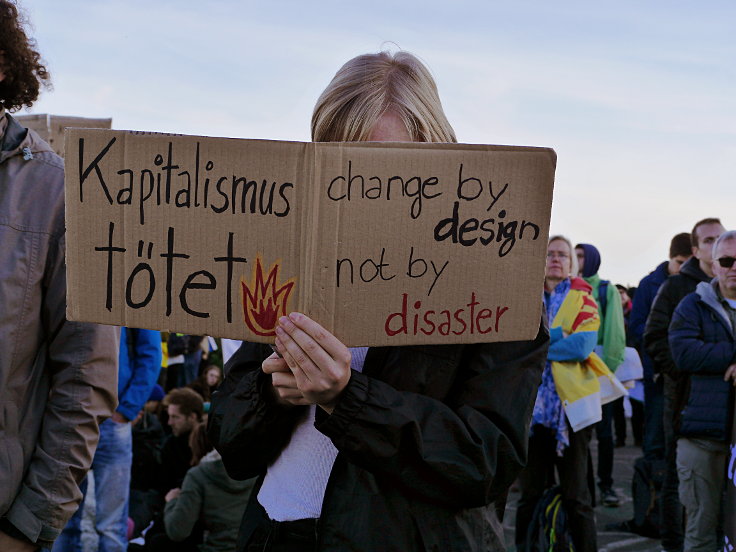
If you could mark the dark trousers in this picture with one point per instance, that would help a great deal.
(637, 422)
(604, 435)
(671, 508)
(653, 446)
(572, 470)
(619, 421)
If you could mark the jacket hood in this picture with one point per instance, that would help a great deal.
(691, 268)
(592, 261)
(213, 469)
(708, 293)
(660, 274)
(19, 140)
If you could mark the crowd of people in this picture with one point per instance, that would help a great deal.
(311, 445)
(158, 483)
(681, 325)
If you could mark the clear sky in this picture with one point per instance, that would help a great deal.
(637, 98)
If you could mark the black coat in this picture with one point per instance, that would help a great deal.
(428, 438)
(656, 332)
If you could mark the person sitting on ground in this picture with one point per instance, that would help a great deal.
(208, 495)
(148, 435)
(185, 409)
(206, 384)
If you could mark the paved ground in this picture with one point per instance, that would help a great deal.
(608, 541)
(623, 470)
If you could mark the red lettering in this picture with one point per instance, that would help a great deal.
(472, 305)
(445, 326)
(482, 315)
(458, 312)
(401, 315)
(499, 313)
(445, 322)
(428, 321)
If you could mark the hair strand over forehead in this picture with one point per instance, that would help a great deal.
(370, 85)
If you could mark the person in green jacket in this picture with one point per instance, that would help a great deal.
(209, 495)
(611, 348)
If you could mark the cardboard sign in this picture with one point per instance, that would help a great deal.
(381, 243)
(51, 127)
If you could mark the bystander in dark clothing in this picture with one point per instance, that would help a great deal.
(656, 342)
(185, 355)
(703, 342)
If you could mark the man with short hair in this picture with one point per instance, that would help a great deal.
(656, 341)
(702, 339)
(58, 377)
(680, 251)
(185, 409)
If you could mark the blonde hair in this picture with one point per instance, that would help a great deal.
(573, 255)
(367, 87)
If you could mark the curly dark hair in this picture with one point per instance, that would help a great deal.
(22, 65)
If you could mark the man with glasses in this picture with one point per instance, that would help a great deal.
(656, 333)
(703, 342)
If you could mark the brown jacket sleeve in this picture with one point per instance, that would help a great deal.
(81, 362)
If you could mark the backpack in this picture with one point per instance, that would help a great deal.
(646, 490)
(549, 530)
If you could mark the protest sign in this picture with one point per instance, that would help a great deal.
(51, 127)
(381, 243)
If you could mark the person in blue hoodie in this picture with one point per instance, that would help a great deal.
(140, 363)
(680, 251)
(702, 338)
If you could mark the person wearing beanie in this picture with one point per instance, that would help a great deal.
(612, 346)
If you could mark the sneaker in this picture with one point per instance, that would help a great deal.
(609, 497)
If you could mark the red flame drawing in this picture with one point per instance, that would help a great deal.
(263, 301)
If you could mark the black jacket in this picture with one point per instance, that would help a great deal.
(656, 332)
(428, 438)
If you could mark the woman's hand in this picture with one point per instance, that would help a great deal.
(172, 494)
(318, 361)
(286, 391)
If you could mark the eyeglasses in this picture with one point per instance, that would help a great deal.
(725, 262)
(557, 254)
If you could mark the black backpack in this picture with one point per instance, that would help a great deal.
(646, 490)
(549, 531)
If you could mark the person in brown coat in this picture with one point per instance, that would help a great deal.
(58, 379)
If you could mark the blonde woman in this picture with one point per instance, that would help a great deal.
(404, 448)
(575, 383)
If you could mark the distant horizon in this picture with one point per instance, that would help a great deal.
(638, 101)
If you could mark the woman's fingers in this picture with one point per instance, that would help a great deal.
(320, 376)
(328, 342)
(274, 364)
(306, 352)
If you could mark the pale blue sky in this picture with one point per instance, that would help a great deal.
(637, 98)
